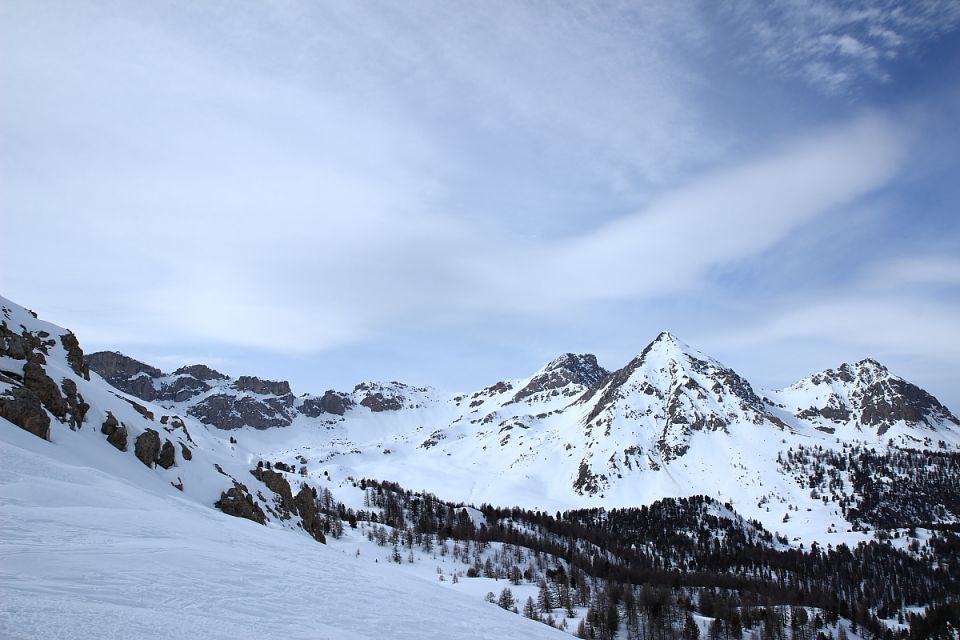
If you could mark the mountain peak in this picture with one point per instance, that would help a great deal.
(668, 341)
(567, 375)
(865, 395)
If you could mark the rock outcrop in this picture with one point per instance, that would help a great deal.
(200, 372)
(168, 455)
(306, 503)
(22, 407)
(279, 485)
(125, 373)
(147, 447)
(229, 412)
(75, 355)
(330, 402)
(75, 403)
(237, 502)
(262, 387)
(115, 431)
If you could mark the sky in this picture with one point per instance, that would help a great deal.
(452, 194)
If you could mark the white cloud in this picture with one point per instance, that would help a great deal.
(915, 271)
(835, 46)
(722, 217)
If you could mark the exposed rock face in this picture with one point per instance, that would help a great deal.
(569, 375)
(389, 396)
(37, 380)
(185, 452)
(864, 395)
(116, 433)
(168, 455)
(262, 387)
(279, 485)
(22, 407)
(378, 402)
(147, 447)
(228, 412)
(182, 389)
(125, 373)
(77, 407)
(212, 398)
(200, 372)
(23, 346)
(306, 503)
(75, 355)
(237, 502)
(329, 402)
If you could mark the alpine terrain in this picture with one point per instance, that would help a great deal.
(669, 498)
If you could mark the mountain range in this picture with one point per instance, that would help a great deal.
(788, 467)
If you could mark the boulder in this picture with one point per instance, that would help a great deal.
(147, 447)
(168, 455)
(116, 433)
(185, 452)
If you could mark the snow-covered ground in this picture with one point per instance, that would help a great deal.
(87, 552)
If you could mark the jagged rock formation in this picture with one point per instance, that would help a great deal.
(279, 485)
(306, 504)
(125, 373)
(262, 387)
(569, 375)
(202, 392)
(864, 396)
(28, 392)
(237, 502)
(330, 402)
(22, 407)
(115, 431)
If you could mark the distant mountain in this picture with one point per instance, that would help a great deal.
(865, 399)
(672, 422)
(671, 470)
(248, 401)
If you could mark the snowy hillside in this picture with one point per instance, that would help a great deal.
(866, 401)
(90, 547)
(133, 500)
(672, 422)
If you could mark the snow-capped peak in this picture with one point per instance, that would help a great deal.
(864, 397)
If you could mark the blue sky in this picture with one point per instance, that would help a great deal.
(449, 194)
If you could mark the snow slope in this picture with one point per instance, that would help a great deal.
(672, 422)
(87, 551)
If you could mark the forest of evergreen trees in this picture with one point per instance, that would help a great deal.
(897, 488)
(643, 572)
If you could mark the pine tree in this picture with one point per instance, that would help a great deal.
(530, 609)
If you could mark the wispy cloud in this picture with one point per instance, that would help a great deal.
(302, 177)
(727, 215)
(837, 46)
